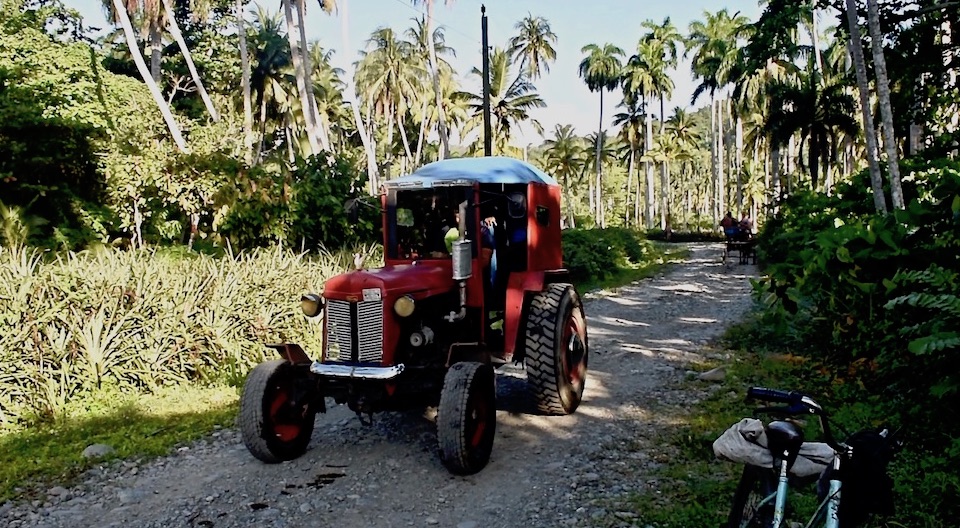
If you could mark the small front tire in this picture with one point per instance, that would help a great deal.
(467, 417)
(276, 419)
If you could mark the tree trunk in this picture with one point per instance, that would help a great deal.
(856, 50)
(245, 84)
(350, 92)
(664, 177)
(435, 76)
(317, 130)
(188, 58)
(630, 168)
(738, 161)
(648, 167)
(775, 183)
(156, 48)
(423, 128)
(721, 159)
(599, 211)
(717, 205)
(296, 54)
(886, 111)
(147, 77)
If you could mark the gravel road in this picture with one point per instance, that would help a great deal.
(544, 472)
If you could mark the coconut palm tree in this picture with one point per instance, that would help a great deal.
(245, 81)
(120, 12)
(631, 126)
(200, 11)
(860, 68)
(512, 96)
(883, 97)
(269, 76)
(534, 45)
(819, 112)
(601, 70)
(389, 76)
(565, 158)
(435, 75)
(713, 43)
(637, 82)
(421, 41)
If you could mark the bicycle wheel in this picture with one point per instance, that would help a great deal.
(755, 485)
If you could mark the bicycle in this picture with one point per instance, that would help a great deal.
(857, 466)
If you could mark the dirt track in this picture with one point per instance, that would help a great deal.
(545, 471)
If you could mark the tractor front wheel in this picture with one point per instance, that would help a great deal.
(276, 418)
(556, 349)
(467, 417)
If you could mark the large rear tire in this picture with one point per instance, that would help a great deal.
(467, 417)
(556, 349)
(755, 485)
(276, 420)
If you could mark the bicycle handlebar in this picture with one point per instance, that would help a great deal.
(797, 403)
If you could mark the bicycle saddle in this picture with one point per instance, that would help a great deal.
(784, 440)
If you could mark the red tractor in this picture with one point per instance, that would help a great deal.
(473, 279)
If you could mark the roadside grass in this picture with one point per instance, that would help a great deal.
(694, 489)
(135, 425)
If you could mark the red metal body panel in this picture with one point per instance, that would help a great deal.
(418, 280)
(543, 241)
(519, 285)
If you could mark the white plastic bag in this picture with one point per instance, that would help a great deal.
(746, 443)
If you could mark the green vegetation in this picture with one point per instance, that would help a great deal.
(861, 311)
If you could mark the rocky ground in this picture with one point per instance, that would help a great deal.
(546, 471)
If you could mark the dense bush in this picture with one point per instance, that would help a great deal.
(876, 298)
(597, 253)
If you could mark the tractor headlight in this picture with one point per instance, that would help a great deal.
(311, 304)
(404, 306)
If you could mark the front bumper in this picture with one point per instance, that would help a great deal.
(349, 372)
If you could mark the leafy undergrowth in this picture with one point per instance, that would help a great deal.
(657, 257)
(134, 425)
(695, 488)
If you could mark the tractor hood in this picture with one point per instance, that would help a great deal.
(392, 281)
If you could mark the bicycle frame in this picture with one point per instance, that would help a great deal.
(830, 504)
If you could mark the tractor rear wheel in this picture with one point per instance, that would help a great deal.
(276, 420)
(556, 349)
(467, 417)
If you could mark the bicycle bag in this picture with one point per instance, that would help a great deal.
(867, 488)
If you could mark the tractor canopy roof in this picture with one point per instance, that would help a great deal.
(462, 171)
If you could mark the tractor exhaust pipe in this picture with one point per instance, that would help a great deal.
(462, 265)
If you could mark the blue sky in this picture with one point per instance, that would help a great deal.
(576, 24)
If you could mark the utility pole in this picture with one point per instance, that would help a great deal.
(487, 136)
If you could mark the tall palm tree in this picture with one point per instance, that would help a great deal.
(637, 82)
(886, 111)
(120, 11)
(713, 43)
(293, 15)
(511, 99)
(534, 45)
(422, 53)
(600, 70)
(631, 124)
(819, 113)
(200, 10)
(860, 67)
(565, 158)
(269, 76)
(435, 75)
(388, 75)
(245, 82)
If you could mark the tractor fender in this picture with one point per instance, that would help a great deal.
(519, 284)
(292, 352)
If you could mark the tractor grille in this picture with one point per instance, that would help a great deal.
(354, 331)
